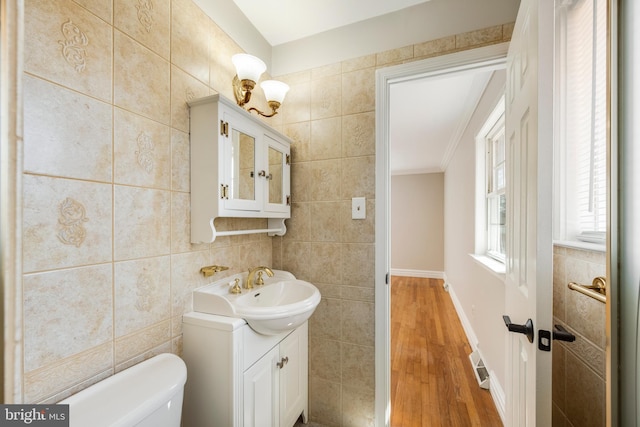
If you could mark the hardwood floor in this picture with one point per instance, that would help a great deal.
(432, 381)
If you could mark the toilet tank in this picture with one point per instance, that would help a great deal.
(148, 394)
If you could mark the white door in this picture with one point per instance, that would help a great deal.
(528, 288)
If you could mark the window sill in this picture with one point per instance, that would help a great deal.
(491, 265)
(576, 244)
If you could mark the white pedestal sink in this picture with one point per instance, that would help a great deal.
(282, 304)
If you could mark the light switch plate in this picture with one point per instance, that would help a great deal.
(358, 208)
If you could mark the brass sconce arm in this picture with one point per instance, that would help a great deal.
(274, 106)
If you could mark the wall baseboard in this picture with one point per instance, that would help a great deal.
(498, 396)
(426, 274)
(495, 388)
(466, 324)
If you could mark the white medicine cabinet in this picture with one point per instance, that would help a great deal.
(240, 167)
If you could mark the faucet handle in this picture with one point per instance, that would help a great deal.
(260, 280)
(235, 288)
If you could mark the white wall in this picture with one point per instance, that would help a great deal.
(417, 220)
(430, 20)
(480, 293)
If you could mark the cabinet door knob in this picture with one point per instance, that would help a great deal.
(282, 362)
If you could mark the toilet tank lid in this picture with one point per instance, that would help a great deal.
(130, 395)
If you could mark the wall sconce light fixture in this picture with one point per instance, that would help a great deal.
(248, 72)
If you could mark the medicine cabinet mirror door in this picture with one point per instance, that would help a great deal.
(278, 176)
(240, 164)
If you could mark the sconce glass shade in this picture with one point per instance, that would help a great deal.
(248, 67)
(274, 90)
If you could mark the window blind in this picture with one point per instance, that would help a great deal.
(585, 79)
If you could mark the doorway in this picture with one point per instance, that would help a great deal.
(487, 58)
(430, 137)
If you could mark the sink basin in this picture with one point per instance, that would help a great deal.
(282, 304)
(279, 306)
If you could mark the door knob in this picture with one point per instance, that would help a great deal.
(561, 334)
(526, 329)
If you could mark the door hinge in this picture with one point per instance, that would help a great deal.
(288, 200)
(224, 191)
(386, 279)
(288, 159)
(224, 128)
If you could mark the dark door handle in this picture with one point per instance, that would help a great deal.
(561, 334)
(526, 329)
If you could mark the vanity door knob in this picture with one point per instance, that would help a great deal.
(282, 362)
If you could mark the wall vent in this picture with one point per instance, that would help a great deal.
(481, 372)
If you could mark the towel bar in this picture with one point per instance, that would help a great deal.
(597, 290)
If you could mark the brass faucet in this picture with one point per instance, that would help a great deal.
(212, 269)
(252, 272)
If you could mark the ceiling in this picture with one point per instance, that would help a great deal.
(427, 116)
(282, 21)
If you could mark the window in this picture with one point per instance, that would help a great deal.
(495, 192)
(581, 131)
(490, 189)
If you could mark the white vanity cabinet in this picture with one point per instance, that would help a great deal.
(239, 378)
(240, 167)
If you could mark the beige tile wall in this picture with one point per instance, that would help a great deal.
(330, 114)
(578, 367)
(108, 266)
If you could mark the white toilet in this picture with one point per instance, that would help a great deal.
(148, 394)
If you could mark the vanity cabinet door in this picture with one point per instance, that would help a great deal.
(261, 383)
(293, 376)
